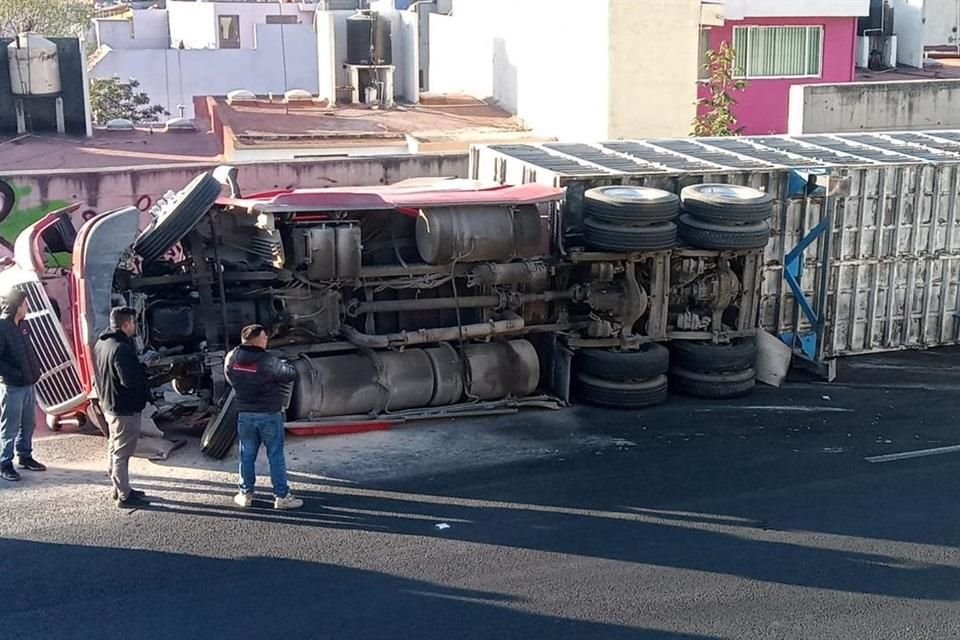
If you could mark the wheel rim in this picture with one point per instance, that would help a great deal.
(635, 194)
(730, 191)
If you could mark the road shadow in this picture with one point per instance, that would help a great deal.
(125, 593)
(721, 545)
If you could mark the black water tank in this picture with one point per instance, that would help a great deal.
(368, 39)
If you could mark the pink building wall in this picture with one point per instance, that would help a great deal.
(763, 106)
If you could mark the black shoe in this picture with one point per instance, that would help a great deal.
(133, 502)
(30, 464)
(135, 493)
(7, 472)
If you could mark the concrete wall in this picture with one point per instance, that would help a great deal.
(764, 105)
(908, 25)
(545, 60)
(875, 106)
(653, 70)
(149, 29)
(171, 76)
(941, 23)
(39, 192)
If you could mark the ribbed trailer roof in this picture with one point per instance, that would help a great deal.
(756, 153)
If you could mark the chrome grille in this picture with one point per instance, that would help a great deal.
(59, 388)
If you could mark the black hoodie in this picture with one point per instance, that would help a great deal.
(121, 378)
(259, 379)
(19, 366)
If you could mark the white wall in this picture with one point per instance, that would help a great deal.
(326, 56)
(468, 72)
(941, 22)
(171, 76)
(149, 29)
(192, 23)
(740, 9)
(545, 60)
(195, 23)
(908, 26)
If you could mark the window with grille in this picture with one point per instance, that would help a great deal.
(778, 52)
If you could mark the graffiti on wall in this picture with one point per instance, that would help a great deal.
(15, 215)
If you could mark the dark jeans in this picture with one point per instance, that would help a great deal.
(255, 429)
(18, 420)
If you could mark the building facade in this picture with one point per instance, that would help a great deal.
(783, 43)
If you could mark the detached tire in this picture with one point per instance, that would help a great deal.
(620, 366)
(622, 395)
(630, 205)
(712, 385)
(618, 238)
(708, 235)
(221, 431)
(178, 217)
(726, 203)
(707, 357)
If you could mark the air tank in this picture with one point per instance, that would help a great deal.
(34, 67)
(368, 39)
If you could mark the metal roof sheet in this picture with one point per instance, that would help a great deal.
(699, 155)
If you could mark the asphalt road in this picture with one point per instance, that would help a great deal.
(757, 519)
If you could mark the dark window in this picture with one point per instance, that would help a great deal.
(229, 31)
(282, 20)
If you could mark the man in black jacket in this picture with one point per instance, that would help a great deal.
(260, 381)
(122, 385)
(19, 371)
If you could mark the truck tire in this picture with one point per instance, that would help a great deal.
(726, 203)
(706, 357)
(221, 432)
(622, 395)
(603, 236)
(620, 366)
(712, 385)
(709, 235)
(630, 205)
(178, 217)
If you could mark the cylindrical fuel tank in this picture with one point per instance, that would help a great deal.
(363, 383)
(478, 233)
(500, 369)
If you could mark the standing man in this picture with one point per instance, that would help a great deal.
(259, 380)
(122, 383)
(19, 371)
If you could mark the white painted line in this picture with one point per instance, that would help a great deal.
(906, 455)
(764, 407)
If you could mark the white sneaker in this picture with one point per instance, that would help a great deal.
(289, 502)
(244, 500)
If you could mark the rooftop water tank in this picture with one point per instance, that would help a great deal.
(368, 39)
(34, 68)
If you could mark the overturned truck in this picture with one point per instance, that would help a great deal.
(422, 299)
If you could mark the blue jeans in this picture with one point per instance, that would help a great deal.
(18, 419)
(255, 429)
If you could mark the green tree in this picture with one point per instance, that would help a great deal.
(715, 115)
(52, 18)
(110, 99)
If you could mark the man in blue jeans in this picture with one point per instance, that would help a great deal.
(259, 380)
(19, 371)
